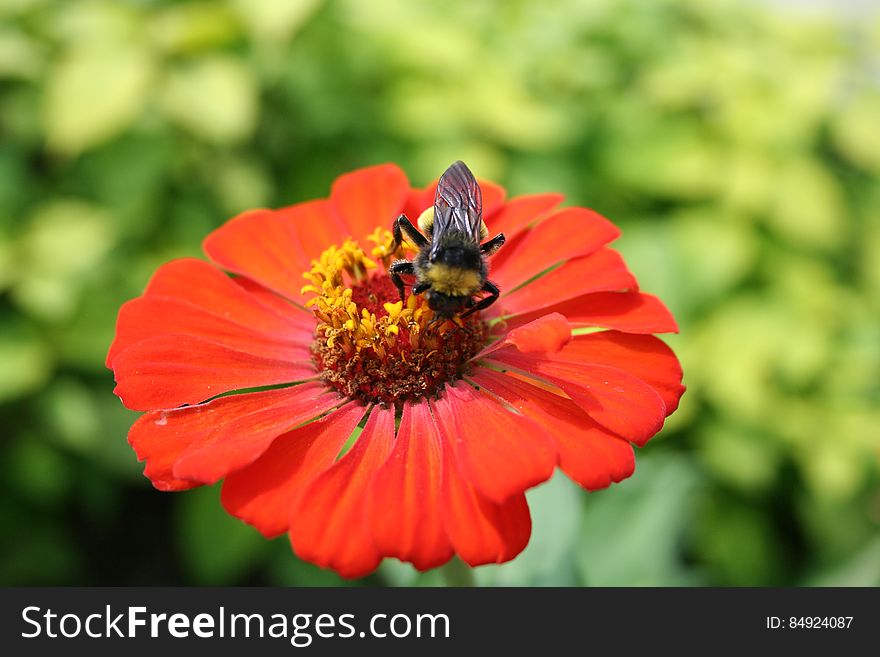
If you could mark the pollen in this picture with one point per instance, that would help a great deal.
(371, 346)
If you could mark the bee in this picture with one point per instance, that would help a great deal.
(451, 266)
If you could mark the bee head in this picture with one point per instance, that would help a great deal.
(445, 306)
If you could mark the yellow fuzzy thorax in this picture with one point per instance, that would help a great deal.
(453, 281)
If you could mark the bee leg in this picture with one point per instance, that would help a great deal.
(403, 225)
(421, 287)
(482, 304)
(490, 247)
(398, 268)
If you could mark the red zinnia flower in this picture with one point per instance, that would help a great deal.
(459, 418)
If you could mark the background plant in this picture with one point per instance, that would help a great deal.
(737, 147)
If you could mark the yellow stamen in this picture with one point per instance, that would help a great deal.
(383, 239)
(331, 279)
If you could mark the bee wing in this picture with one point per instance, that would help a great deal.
(458, 204)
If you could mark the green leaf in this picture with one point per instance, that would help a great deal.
(37, 470)
(862, 569)
(66, 236)
(870, 259)
(741, 543)
(94, 93)
(286, 569)
(7, 265)
(809, 208)
(397, 573)
(654, 155)
(49, 298)
(753, 350)
(41, 552)
(748, 180)
(20, 56)
(275, 20)
(833, 466)
(96, 21)
(26, 363)
(109, 449)
(72, 414)
(215, 98)
(128, 176)
(64, 240)
(216, 548)
(16, 187)
(241, 185)
(718, 250)
(556, 508)
(194, 27)
(631, 532)
(747, 459)
(855, 133)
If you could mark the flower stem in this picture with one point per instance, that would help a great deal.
(458, 574)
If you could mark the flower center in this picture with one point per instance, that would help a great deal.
(371, 346)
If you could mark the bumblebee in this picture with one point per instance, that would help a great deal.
(451, 265)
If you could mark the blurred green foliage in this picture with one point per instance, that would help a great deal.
(739, 149)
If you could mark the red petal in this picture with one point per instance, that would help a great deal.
(192, 297)
(615, 399)
(500, 453)
(481, 530)
(493, 198)
(261, 493)
(547, 333)
(419, 200)
(603, 271)
(172, 370)
(204, 443)
(520, 212)
(264, 246)
(302, 318)
(151, 317)
(160, 450)
(250, 429)
(328, 525)
(588, 454)
(630, 312)
(202, 284)
(499, 259)
(643, 356)
(369, 198)
(404, 498)
(569, 233)
(317, 227)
